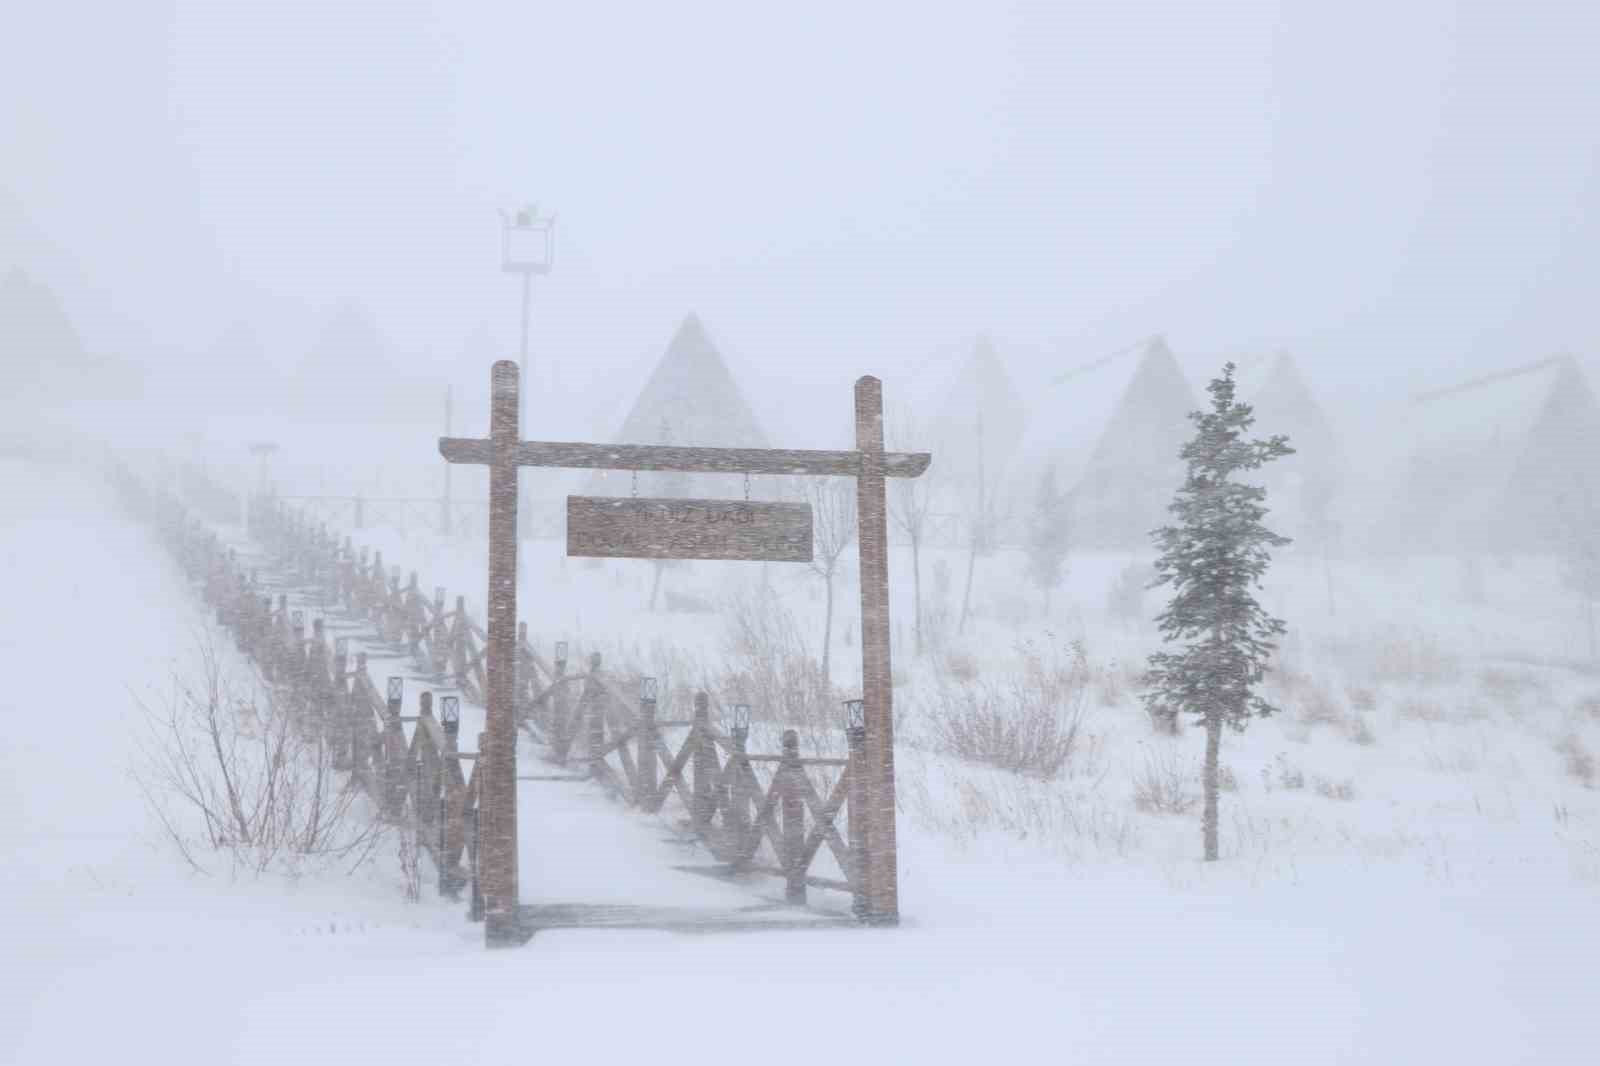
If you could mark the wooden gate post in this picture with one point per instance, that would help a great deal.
(499, 794)
(594, 720)
(705, 765)
(792, 812)
(876, 688)
(645, 790)
(737, 818)
(555, 707)
(856, 815)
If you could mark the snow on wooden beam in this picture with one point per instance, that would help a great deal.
(648, 457)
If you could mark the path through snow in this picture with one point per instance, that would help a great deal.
(113, 955)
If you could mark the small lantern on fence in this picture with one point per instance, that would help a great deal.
(450, 715)
(396, 692)
(561, 655)
(647, 690)
(855, 715)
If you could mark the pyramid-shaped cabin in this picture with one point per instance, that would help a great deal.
(962, 406)
(1109, 433)
(1503, 463)
(1301, 488)
(689, 399)
(35, 332)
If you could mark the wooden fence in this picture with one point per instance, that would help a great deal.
(769, 813)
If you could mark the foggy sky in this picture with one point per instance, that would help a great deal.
(1393, 191)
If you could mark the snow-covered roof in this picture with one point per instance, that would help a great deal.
(689, 399)
(1491, 460)
(1283, 403)
(34, 329)
(1493, 410)
(1110, 432)
(1128, 407)
(962, 405)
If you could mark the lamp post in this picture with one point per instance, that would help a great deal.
(262, 450)
(855, 731)
(450, 718)
(527, 247)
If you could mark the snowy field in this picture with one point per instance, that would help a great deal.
(1410, 869)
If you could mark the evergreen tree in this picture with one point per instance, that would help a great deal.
(1048, 537)
(1214, 556)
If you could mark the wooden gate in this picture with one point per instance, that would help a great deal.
(779, 805)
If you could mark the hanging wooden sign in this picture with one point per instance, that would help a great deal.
(641, 528)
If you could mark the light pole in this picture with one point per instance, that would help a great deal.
(527, 247)
(262, 450)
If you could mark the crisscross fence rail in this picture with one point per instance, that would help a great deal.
(768, 813)
(759, 812)
(416, 781)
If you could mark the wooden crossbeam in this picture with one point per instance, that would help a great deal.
(648, 457)
(668, 919)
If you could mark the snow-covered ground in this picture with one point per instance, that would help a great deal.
(1445, 911)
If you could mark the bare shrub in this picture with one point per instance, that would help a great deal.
(1328, 788)
(410, 859)
(1580, 761)
(1227, 781)
(236, 779)
(1114, 683)
(1509, 687)
(769, 667)
(1359, 731)
(1288, 682)
(1453, 758)
(1164, 719)
(1362, 699)
(1289, 776)
(1317, 706)
(1165, 784)
(1590, 705)
(1413, 657)
(1030, 723)
(1424, 711)
(971, 805)
(961, 666)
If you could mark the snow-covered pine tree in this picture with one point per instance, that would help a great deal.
(1214, 556)
(1048, 537)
